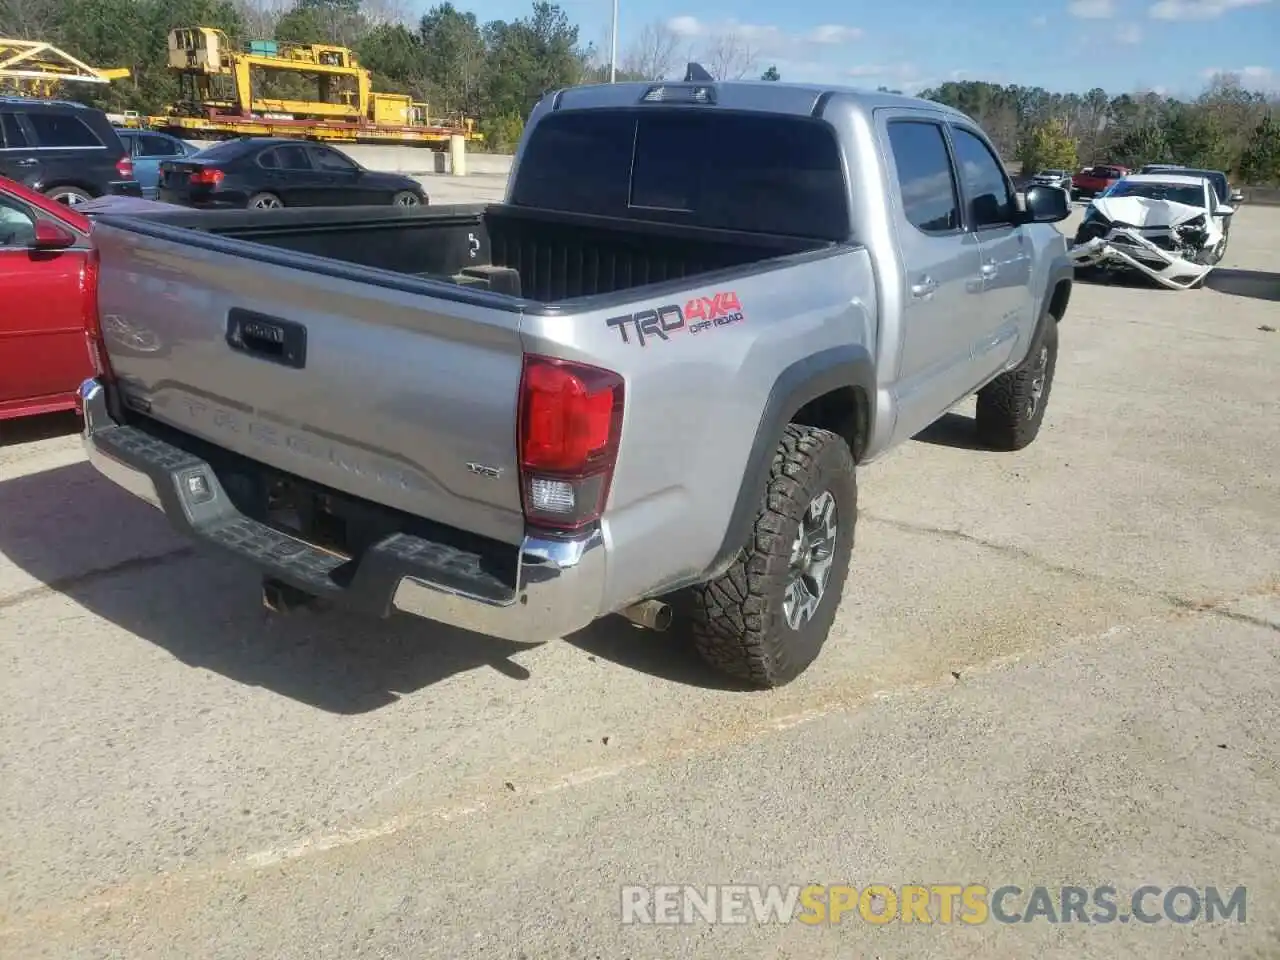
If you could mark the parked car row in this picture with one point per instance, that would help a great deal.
(71, 153)
(60, 160)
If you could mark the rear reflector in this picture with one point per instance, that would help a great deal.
(570, 423)
(206, 177)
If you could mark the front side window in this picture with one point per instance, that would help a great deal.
(331, 161)
(11, 133)
(990, 196)
(17, 224)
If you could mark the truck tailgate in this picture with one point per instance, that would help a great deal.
(382, 393)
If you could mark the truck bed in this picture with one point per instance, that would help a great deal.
(557, 256)
(348, 346)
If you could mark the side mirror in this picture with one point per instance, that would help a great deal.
(51, 236)
(1237, 196)
(1225, 211)
(1045, 204)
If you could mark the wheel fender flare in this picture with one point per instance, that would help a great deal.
(798, 384)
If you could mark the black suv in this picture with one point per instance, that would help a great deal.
(67, 151)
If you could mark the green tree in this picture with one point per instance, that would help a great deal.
(1047, 147)
(1260, 160)
(771, 74)
(453, 51)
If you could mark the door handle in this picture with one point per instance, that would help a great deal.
(25, 163)
(924, 289)
(990, 270)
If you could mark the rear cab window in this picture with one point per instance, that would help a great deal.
(697, 166)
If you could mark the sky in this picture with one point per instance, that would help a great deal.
(1170, 46)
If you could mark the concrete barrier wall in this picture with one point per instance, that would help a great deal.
(414, 161)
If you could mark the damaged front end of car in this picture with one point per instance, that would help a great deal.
(1175, 247)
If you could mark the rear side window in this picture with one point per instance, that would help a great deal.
(288, 157)
(925, 179)
(61, 130)
(729, 171)
(11, 133)
(153, 146)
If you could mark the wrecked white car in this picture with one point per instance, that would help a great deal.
(1171, 228)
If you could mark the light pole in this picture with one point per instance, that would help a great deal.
(613, 52)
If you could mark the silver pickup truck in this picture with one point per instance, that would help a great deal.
(640, 385)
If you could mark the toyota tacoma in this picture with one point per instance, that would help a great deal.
(642, 384)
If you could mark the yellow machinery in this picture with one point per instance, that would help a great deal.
(33, 68)
(316, 91)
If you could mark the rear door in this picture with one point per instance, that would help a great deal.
(943, 288)
(989, 213)
(43, 352)
(291, 176)
(70, 148)
(18, 159)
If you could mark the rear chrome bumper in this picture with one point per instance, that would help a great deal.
(558, 584)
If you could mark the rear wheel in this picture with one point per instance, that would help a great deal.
(69, 195)
(768, 616)
(264, 201)
(1011, 407)
(406, 198)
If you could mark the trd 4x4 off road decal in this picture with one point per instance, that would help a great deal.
(697, 315)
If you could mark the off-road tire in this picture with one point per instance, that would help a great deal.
(737, 622)
(1006, 419)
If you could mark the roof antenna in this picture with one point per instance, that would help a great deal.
(697, 73)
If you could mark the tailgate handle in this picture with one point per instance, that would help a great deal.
(267, 338)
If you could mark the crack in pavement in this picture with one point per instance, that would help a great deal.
(1021, 553)
(89, 577)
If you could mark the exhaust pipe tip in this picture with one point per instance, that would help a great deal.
(651, 614)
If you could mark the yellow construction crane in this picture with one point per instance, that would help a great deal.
(306, 90)
(35, 68)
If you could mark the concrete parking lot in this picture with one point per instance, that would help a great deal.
(1052, 667)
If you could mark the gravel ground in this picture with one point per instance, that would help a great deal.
(1057, 666)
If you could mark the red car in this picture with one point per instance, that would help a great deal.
(48, 294)
(1093, 181)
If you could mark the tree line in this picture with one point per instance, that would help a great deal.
(495, 71)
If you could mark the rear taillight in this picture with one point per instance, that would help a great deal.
(206, 177)
(569, 425)
(124, 167)
(93, 336)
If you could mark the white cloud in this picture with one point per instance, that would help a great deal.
(832, 33)
(1092, 9)
(1253, 78)
(768, 36)
(685, 26)
(1197, 9)
(1129, 33)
